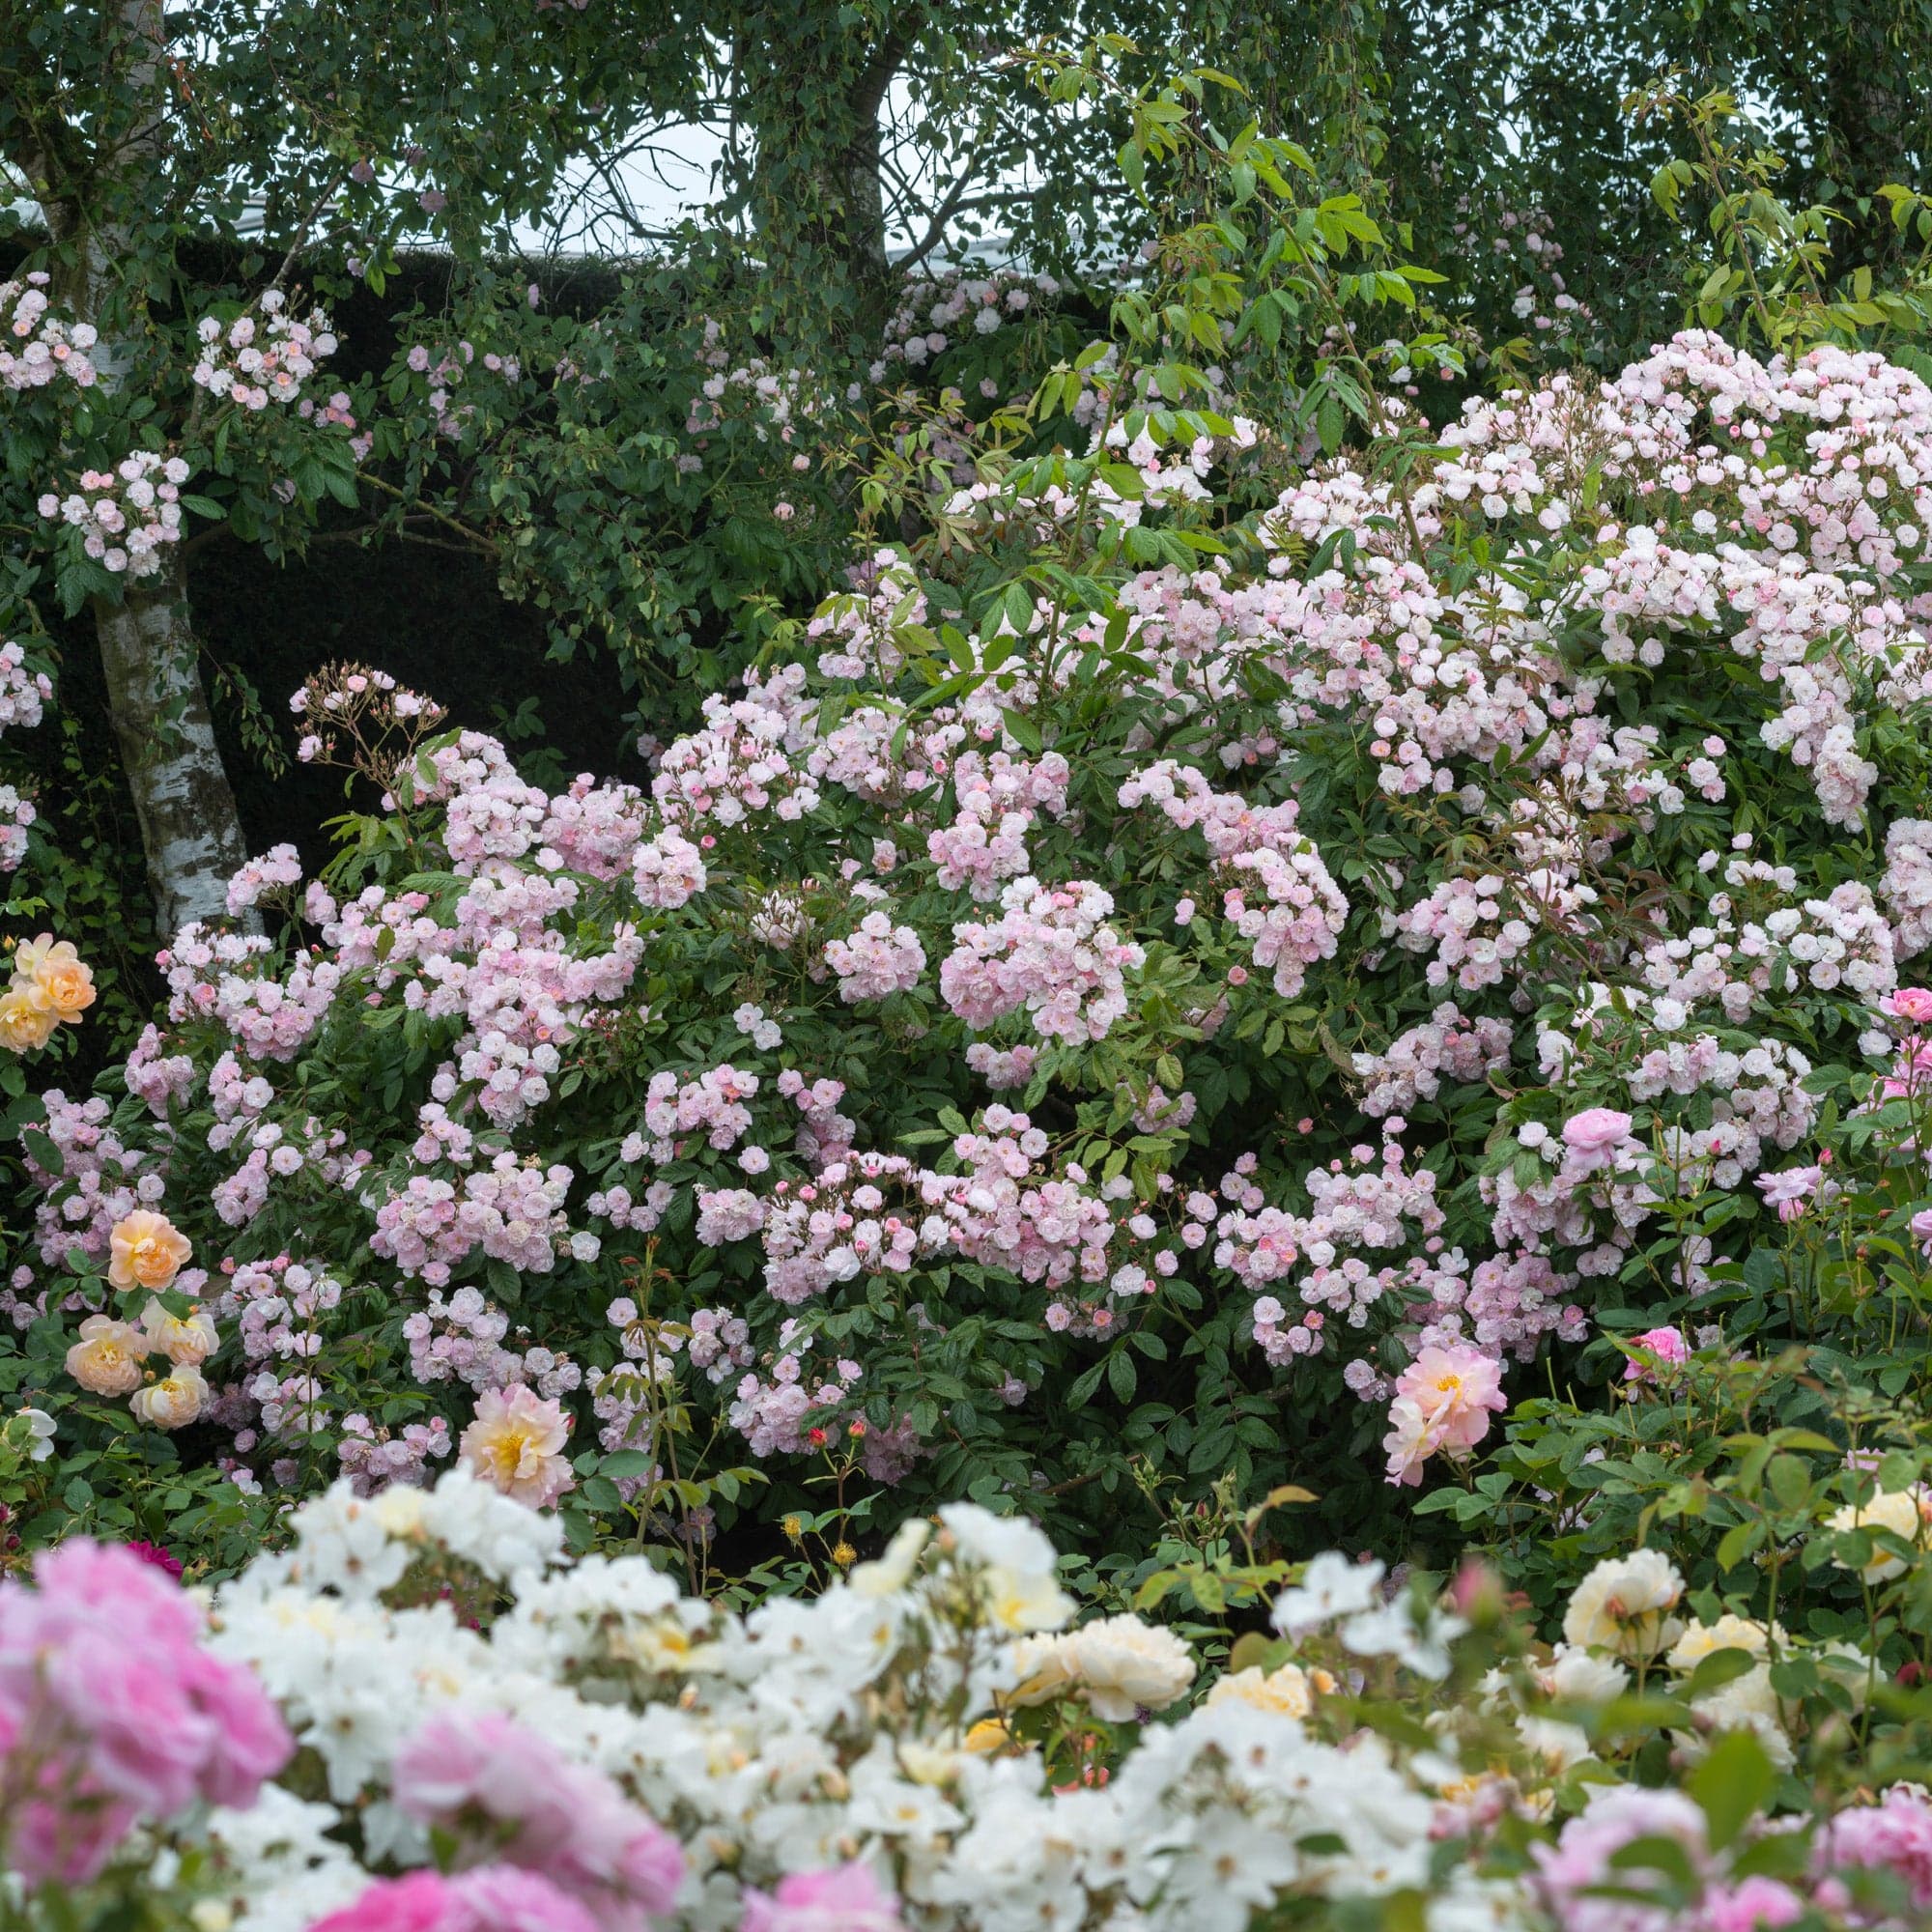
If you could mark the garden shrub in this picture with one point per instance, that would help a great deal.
(1136, 995)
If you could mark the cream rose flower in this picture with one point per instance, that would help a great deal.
(53, 966)
(1045, 1667)
(27, 1017)
(187, 1341)
(1124, 1664)
(107, 1358)
(1728, 1632)
(1572, 1676)
(1623, 1604)
(146, 1250)
(1284, 1691)
(1747, 1703)
(174, 1403)
(1900, 1511)
(516, 1445)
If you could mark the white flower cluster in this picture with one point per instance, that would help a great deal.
(867, 1724)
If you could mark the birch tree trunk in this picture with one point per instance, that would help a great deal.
(149, 650)
(189, 828)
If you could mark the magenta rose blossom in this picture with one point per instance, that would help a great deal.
(1665, 1345)
(111, 1711)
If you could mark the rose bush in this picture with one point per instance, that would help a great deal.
(1136, 978)
(468, 1730)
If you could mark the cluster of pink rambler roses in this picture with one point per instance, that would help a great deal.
(933, 314)
(254, 363)
(125, 515)
(37, 347)
(1188, 876)
(24, 691)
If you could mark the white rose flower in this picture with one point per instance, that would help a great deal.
(1623, 1604)
(1018, 1584)
(893, 1571)
(41, 1433)
(1122, 1663)
(1330, 1587)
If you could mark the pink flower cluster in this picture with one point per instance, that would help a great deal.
(23, 690)
(485, 1898)
(997, 799)
(932, 313)
(17, 814)
(1418, 1059)
(372, 1455)
(126, 515)
(35, 346)
(513, 1212)
(459, 1337)
(1052, 952)
(274, 873)
(741, 762)
(876, 960)
(1255, 849)
(253, 364)
(111, 1711)
(1587, 1886)
(1906, 889)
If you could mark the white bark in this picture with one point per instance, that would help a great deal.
(149, 652)
(189, 828)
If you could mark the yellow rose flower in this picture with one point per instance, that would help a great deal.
(988, 1737)
(27, 1017)
(147, 1250)
(172, 1403)
(54, 966)
(107, 1358)
(1284, 1691)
